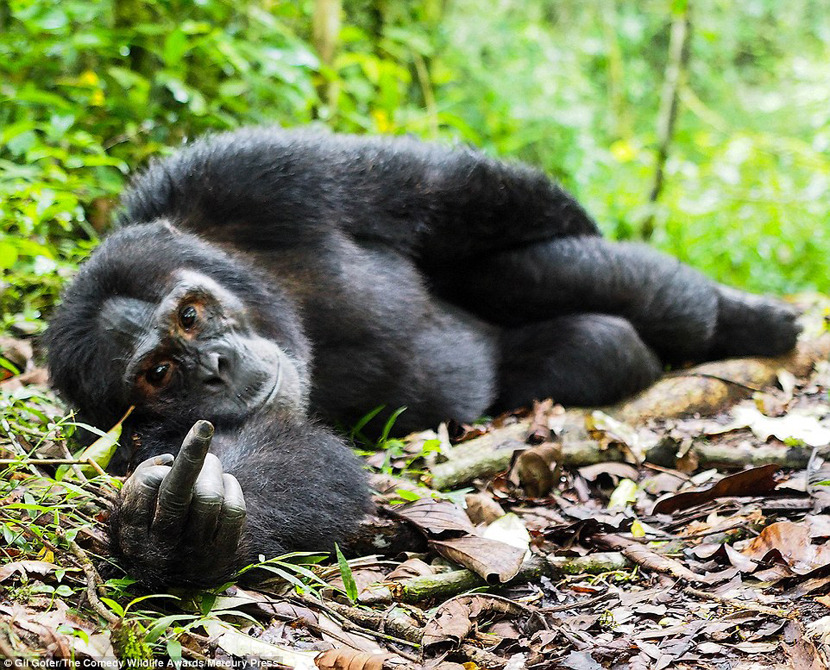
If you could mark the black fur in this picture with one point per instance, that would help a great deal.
(392, 272)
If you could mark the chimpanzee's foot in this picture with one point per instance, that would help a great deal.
(753, 325)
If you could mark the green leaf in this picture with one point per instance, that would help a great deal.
(390, 422)
(8, 255)
(409, 496)
(284, 574)
(164, 623)
(175, 46)
(206, 603)
(114, 606)
(174, 651)
(152, 596)
(346, 574)
(101, 452)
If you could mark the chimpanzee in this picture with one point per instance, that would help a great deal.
(264, 284)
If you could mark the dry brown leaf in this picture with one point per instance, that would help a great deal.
(616, 471)
(243, 599)
(495, 562)
(537, 469)
(752, 482)
(349, 659)
(648, 558)
(236, 643)
(790, 542)
(437, 518)
(412, 567)
(482, 509)
(334, 633)
(608, 430)
(25, 567)
(799, 650)
(739, 560)
(797, 424)
(544, 417)
(453, 620)
(819, 525)
(94, 645)
(450, 624)
(18, 353)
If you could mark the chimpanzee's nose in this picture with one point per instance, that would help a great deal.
(215, 369)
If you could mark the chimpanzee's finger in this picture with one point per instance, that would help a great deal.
(138, 495)
(176, 491)
(208, 495)
(161, 459)
(232, 518)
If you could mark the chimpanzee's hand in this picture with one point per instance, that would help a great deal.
(181, 523)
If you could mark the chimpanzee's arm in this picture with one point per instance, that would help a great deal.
(196, 520)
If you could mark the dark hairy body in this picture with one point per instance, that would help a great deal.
(274, 282)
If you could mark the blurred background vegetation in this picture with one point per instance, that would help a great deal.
(585, 89)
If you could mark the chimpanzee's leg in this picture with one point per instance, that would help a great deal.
(584, 359)
(676, 310)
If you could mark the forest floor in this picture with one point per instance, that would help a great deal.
(686, 528)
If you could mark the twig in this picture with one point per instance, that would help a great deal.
(669, 471)
(75, 468)
(588, 602)
(740, 604)
(647, 558)
(359, 621)
(709, 375)
(93, 579)
(195, 656)
(47, 461)
(405, 632)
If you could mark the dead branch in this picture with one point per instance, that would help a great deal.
(597, 563)
(709, 388)
(647, 558)
(480, 457)
(449, 584)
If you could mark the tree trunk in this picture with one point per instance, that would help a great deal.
(326, 29)
(676, 66)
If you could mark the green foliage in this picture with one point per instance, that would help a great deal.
(128, 642)
(346, 575)
(92, 89)
(574, 87)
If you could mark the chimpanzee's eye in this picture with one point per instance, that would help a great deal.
(187, 316)
(158, 375)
